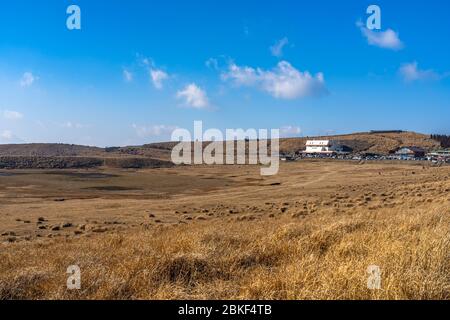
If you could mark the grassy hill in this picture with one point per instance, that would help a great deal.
(49, 150)
(381, 143)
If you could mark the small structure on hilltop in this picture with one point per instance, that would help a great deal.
(323, 147)
(385, 131)
(410, 152)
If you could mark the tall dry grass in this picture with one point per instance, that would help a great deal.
(322, 256)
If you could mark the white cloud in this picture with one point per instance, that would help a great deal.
(388, 39)
(284, 81)
(6, 135)
(242, 76)
(158, 76)
(27, 79)
(72, 125)
(277, 48)
(289, 131)
(194, 96)
(154, 131)
(127, 75)
(12, 115)
(410, 72)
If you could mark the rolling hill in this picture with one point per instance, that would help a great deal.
(158, 154)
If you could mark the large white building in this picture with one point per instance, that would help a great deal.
(322, 146)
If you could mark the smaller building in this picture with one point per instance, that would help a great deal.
(441, 155)
(410, 152)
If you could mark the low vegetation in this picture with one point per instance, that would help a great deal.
(323, 257)
(224, 232)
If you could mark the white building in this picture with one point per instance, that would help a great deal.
(322, 146)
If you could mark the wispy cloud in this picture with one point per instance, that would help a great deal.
(284, 81)
(143, 60)
(27, 79)
(12, 115)
(218, 63)
(290, 131)
(72, 125)
(411, 72)
(7, 136)
(127, 75)
(388, 39)
(277, 48)
(212, 63)
(193, 96)
(159, 130)
(158, 76)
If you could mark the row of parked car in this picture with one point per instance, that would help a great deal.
(360, 157)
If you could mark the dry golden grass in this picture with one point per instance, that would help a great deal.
(310, 232)
(322, 257)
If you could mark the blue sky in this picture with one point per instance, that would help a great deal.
(138, 69)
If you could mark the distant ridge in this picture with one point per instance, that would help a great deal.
(49, 150)
(375, 141)
(385, 131)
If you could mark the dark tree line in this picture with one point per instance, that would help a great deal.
(443, 139)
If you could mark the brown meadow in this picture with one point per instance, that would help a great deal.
(224, 232)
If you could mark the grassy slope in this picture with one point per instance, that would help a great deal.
(377, 143)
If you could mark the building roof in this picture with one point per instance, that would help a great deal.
(442, 151)
(412, 149)
(321, 143)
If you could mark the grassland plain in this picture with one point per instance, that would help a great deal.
(224, 232)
